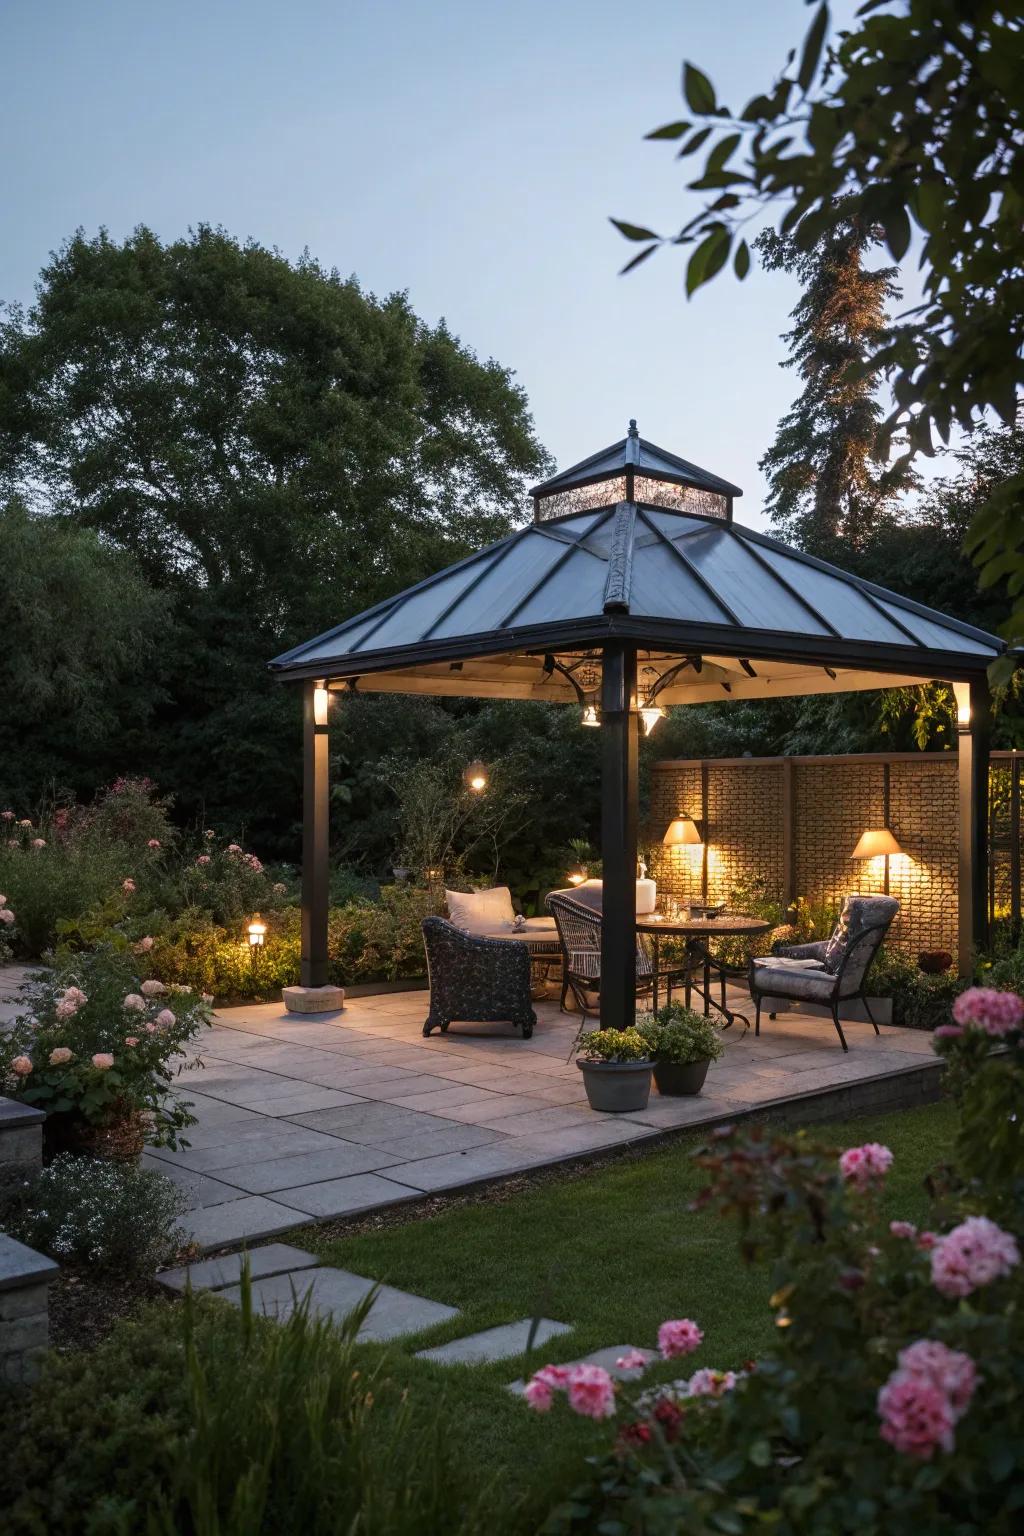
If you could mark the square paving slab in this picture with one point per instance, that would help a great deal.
(333, 1293)
(499, 1343)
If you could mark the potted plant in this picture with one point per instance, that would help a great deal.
(98, 1051)
(616, 1067)
(682, 1045)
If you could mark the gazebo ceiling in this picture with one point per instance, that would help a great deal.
(757, 618)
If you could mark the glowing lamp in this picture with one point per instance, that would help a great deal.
(682, 832)
(577, 876)
(257, 931)
(321, 699)
(591, 715)
(876, 843)
(476, 777)
(650, 714)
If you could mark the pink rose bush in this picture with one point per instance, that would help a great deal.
(680, 1336)
(865, 1167)
(928, 1393)
(973, 1255)
(589, 1389)
(997, 1013)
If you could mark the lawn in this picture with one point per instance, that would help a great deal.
(614, 1253)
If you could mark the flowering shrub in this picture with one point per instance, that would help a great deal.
(111, 1216)
(613, 1045)
(100, 1044)
(893, 1400)
(7, 921)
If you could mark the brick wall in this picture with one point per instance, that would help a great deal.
(833, 801)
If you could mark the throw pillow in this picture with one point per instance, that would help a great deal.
(481, 911)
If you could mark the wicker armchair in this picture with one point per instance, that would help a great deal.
(831, 970)
(475, 980)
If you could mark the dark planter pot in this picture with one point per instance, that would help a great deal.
(615, 1087)
(676, 1080)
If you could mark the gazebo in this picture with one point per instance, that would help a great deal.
(633, 588)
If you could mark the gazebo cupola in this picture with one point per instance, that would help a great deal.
(636, 471)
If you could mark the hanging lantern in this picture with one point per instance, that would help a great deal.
(591, 715)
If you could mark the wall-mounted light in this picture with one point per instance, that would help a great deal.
(591, 715)
(321, 701)
(257, 931)
(476, 777)
(962, 693)
(682, 832)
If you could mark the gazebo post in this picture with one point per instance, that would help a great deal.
(314, 994)
(974, 729)
(619, 748)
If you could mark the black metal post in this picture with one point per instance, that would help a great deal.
(619, 745)
(313, 960)
(973, 742)
(1015, 848)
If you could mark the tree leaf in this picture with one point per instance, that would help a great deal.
(669, 131)
(741, 260)
(633, 231)
(635, 262)
(897, 231)
(707, 259)
(694, 142)
(698, 90)
(812, 49)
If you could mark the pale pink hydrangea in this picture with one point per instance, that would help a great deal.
(708, 1383)
(38, 842)
(25, 822)
(6, 915)
(76, 995)
(128, 886)
(916, 1415)
(65, 1008)
(948, 1369)
(279, 888)
(203, 860)
(974, 1254)
(632, 1360)
(150, 1028)
(60, 1056)
(131, 1039)
(165, 1019)
(540, 1390)
(144, 945)
(152, 988)
(866, 1165)
(679, 1336)
(903, 1229)
(997, 1013)
(234, 848)
(154, 842)
(591, 1392)
(103, 1061)
(3, 901)
(135, 1002)
(6, 815)
(21, 1066)
(254, 863)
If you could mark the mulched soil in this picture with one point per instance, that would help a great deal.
(84, 1307)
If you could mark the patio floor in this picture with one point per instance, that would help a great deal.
(307, 1118)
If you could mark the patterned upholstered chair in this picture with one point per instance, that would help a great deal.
(475, 980)
(831, 970)
(579, 933)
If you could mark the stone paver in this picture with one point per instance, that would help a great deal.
(342, 1197)
(499, 1343)
(237, 1221)
(215, 1274)
(606, 1358)
(306, 1168)
(332, 1293)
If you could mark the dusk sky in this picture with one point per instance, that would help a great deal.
(469, 153)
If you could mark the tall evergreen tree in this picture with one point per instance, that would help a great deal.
(826, 489)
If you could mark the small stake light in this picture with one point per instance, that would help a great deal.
(476, 777)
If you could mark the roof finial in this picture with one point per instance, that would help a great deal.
(632, 427)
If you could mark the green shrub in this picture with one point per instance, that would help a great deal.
(226, 1424)
(613, 1045)
(918, 1001)
(116, 1217)
(678, 1034)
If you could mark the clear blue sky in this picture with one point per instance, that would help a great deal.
(468, 152)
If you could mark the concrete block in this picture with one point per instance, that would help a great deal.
(313, 999)
(215, 1274)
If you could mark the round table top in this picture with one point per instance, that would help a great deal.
(726, 924)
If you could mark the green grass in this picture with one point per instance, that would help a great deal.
(614, 1252)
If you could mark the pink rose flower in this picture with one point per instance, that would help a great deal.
(708, 1383)
(997, 1013)
(103, 1061)
(128, 886)
(22, 1065)
(165, 1019)
(927, 1240)
(254, 863)
(916, 1416)
(144, 945)
(974, 1254)
(203, 860)
(209, 834)
(6, 815)
(154, 842)
(591, 1392)
(234, 848)
(150, 1028)
(3, 901)
(60, 1056)
(38, 842)
(903, 1229)
(948, 1369)
(76, 994)
(680, 1336)
(632, 1360)
(152, 988)
(134, 1001)
(66, 1009)
(6, 915)
(131, 1039)
(866, 1165)
(24, 823)
(538, 1395)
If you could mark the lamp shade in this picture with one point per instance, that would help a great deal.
(876, 842)
(682, 833)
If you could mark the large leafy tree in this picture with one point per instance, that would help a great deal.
(825, 484)
(912, 120)
(274, 447)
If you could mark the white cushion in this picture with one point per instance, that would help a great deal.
(788, 963)
(481, 911)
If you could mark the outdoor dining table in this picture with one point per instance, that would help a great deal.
(697, 931)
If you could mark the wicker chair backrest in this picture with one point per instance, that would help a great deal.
(579, 930)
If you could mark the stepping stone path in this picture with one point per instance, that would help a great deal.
(283, 1276)
(494, 1343)
(606, 1357)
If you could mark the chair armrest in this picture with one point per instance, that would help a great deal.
(815, 951)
